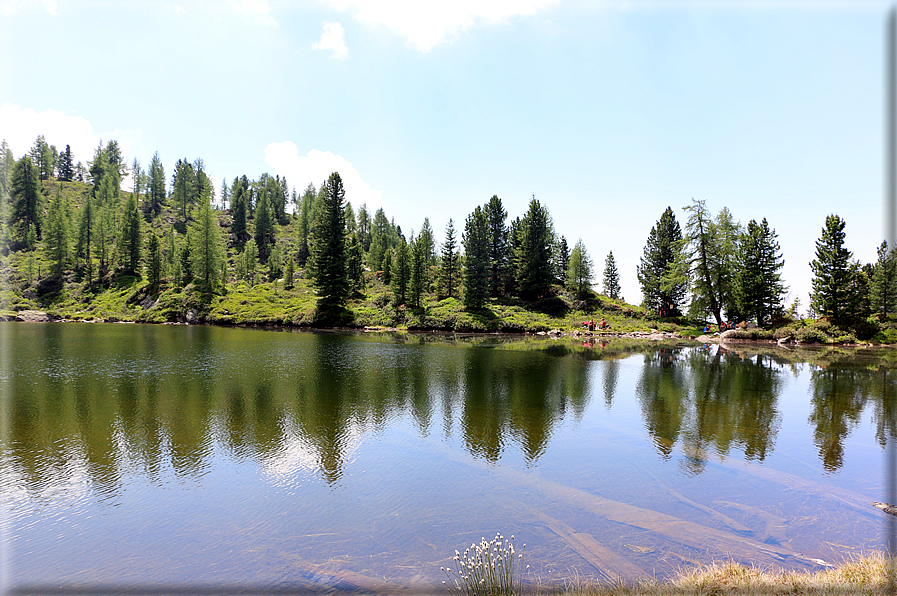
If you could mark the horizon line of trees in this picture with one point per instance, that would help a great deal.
(714, 267)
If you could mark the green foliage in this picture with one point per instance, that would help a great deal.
(56, 237)
(207, 247)
(580, 270)
(401, 275)
(884, 281)
(27, 200)
(477, 252)
(758, 287)
(832, 294)
(130, 237)
(611, 281)
(449, 264)
(499, 252)
(264, 228)
(328, 246)
(663, 247)
(533, 254)
(154, 262)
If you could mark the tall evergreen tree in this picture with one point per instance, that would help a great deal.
(427, 238)
(401, 274)
(533, 258)
(661, 251)
(356, 264)
(580, 270)
(832, 273)
(611, 277)
(449, 264)
(419, 272)
(884, 281)
(130, 238)
(289, 274)
(183, 183)
(363, 227)
(328, 246)
(156, 187)
(85, 248)
(154, 262)
(207, 245)
(264, 228)
(477, 265)
(499, 256)
(758, 286)
(238, 213)
(27, 200)
(66, 166)
(56, 236)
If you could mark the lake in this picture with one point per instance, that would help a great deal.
(230, 460)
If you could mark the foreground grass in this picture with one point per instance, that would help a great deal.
(861, 575)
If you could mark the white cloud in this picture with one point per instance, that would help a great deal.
(8, 7)
(21, 126)
(427, 24)
(316, 167)
(332, 39)
(259, 10)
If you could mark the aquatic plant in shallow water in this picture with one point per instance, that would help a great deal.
(490, 568)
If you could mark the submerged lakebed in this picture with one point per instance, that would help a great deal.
(178, 457)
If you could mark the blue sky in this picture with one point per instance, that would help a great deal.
(606, 111)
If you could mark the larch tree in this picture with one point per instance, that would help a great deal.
(580, 270)
(155, 187)
(56, 235)
(401, 274)
(419, 272)
(207, 245)
(27, 200)
(154, 262)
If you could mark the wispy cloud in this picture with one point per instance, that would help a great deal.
(332, 38)
(8, 7)
(258, 10)
(427, 24)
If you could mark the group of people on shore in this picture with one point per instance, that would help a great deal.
(723, 326)
(590, 325)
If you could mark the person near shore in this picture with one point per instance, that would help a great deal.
(706, 329)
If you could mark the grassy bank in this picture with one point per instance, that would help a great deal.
(862, 575)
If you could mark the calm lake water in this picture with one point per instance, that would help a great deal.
(174, 458)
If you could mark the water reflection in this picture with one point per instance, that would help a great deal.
(106, 400)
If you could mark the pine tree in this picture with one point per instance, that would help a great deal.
(884, 281)
(56, 236)
(580, 270)
(533, 258)
(758, 288)
(832, 273)
(238, 213)
(562, 258)
(611, 280)
(661, 250)
(477, 265)
(499, 256)
(450, 264)
(328, 246)
(356, 264)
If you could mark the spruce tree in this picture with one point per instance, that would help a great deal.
(328, 246)
(84, 250)
(264, 228)
(477, 262)
(356, 264)
(449, 264)
(660, 252)
(156, 187)
(832, 273)
(611, 280)
(562, 258)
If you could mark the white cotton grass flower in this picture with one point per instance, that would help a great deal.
(489, 568)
